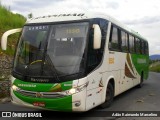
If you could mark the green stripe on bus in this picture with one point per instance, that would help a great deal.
(43, 87)
(141, 63)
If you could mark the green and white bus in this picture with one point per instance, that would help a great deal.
(75, 62)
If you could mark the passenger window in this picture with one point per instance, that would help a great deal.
(146, 48)
(131, 44)
(124, 41)
(138, 49)
(142, 47)
(114, 43)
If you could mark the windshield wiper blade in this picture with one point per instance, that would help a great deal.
(51, 66)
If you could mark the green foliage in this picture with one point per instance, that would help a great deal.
(153, 61)
(9, 20)
(155, 66)
(30, 15)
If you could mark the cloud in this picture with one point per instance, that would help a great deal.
(144, 20)
(32, 4)
(113, 5)
(44, 7)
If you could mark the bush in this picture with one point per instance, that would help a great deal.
(155, 68)
(9, 20)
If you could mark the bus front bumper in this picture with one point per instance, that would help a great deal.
(75, 102)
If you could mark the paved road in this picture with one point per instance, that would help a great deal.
(146, 98)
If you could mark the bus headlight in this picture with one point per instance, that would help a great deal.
(72, 91)
(15, 88)
(76, 89)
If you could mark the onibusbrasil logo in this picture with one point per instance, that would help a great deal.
(22, 114)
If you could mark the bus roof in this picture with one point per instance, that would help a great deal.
(81, 16)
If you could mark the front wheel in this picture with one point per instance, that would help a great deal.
(109, 96)
(141, 81)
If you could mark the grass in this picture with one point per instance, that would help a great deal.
(9, 20)
(155, 68)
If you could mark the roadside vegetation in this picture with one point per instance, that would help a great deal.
(9, 20)
(154, 66)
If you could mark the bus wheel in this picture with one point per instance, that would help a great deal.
(109, 96)
(141, 81)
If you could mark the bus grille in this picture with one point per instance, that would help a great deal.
(41, 94)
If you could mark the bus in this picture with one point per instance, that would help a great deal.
(75, 62)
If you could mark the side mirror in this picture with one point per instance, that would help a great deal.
(97, 37)
(5, 37)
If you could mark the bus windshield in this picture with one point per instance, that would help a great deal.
(46, 51)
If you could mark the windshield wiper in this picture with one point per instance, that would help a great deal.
(51, 66)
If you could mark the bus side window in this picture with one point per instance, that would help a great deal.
(124, 41)
(113, 42)
(142, 47)
(131, 44)
(138, 49)
(146, 48)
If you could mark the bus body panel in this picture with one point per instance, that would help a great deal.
(94, 89)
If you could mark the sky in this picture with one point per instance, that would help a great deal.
(142, 16)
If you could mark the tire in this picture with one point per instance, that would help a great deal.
(109, 96)
(141, 81)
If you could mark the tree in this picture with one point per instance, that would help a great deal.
(30, 15)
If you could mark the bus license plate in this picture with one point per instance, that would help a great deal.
(40, 104)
